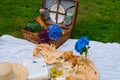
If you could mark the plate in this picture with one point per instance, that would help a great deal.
(53, 15)
(70, 12)
(67, 64)
(67, 20)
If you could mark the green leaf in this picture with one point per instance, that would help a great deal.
(81, 52)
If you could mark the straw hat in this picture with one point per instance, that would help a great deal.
(13, 71)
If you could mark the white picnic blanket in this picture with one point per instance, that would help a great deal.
(106, 56)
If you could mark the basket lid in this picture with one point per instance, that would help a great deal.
(61, 12)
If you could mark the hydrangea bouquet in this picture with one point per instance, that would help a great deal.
(82, 46)
(54, 32)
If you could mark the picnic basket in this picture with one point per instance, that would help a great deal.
(61, 12)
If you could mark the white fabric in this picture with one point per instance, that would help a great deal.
(106, 56)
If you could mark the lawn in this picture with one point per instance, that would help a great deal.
(97, 19)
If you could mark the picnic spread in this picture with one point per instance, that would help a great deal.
(62, 65)
(84, 68)
(17, 50)
(45, 57)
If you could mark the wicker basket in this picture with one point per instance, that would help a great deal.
(30, 36)
(46, 4)
(33, 37)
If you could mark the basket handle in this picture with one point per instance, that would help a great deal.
(41, 22)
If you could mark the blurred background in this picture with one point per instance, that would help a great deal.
(97, 19)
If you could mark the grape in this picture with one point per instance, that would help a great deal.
(54, 72)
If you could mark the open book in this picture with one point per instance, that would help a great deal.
(36, 69)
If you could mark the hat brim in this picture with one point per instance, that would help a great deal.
(21, 72)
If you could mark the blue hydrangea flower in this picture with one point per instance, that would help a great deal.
(81, 43)
(54, 32)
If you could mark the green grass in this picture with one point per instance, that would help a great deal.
(14, 14)
(97, 19)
